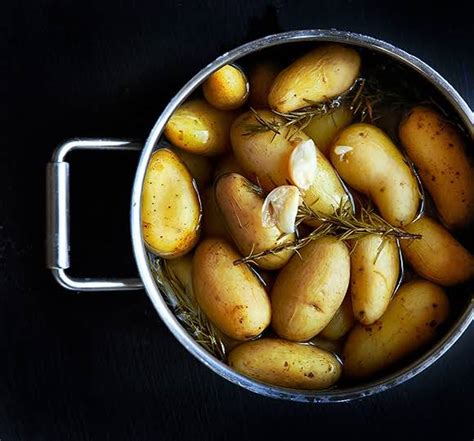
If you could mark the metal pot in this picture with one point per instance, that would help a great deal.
(58, 219)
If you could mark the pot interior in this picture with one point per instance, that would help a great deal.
(410, 79)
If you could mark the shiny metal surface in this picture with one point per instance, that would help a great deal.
(337, 394)
(57, 222)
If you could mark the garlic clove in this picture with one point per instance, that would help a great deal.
(303, 164)
(281, 207)
(342, 151)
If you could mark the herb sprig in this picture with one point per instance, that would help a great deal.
(343, 224)
(187, 310)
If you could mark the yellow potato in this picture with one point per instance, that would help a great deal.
(228, 164)
(213, 224)
(265, 158)
(368, 161)
(439, 151)
(341, 323)
(199, 166)
(170, 207)
(374, 276)
(409, 322)
(261, 79)
(310, 288)
(321, 74)
(241, 206)
(181, 270)
(437, 256)
(333, 346)
(286, 364)
(199, 128)
(230, 295)
(323, 129)
(227, 88)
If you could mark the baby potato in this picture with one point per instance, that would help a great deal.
(310, 288)
(228, 164)
(199, 166)
(342, 321)
(261, 79)
(368, 161)
(375, 268)
(333, 346)
(170, 207)
(241, 204)
(410, 322)
(321, 74)
(181, 268)
(286, 364)
(438, 150)
(437, 256)
(199, 128)
(265, 157)
(230, 295)
(324, 128)
(227, 88)
(213, 224)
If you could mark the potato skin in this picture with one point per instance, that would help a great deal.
(227, 88)
(342, 321)
(323, 129)
(265, 158)
(321, 74)
(241, 207)
(261, 79)
(199, 128)
(286, 364)
(213, 223)
(437, 256)
(409, 322)
(439, 152)
(309, 289)
(199, 166)
(230, 295)
(374, 276)
(228, 164)
(375, 167)
(170, 206)
(181, 268)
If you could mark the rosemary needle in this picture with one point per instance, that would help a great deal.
(343, 224)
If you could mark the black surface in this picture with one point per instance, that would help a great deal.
(103, 366)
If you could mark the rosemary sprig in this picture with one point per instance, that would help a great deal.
(343, 224)
(320, 231)
(349, 225)
(187, 310)
(263, 125)
(299, 119)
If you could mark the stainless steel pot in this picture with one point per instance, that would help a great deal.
(58, 219)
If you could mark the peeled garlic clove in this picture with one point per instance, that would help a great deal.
(281, 207)
(303, 164)
(342, 151)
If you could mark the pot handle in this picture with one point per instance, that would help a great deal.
(57, 222)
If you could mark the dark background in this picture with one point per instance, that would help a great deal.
(103, 366)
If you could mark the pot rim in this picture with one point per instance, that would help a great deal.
(330, 395)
